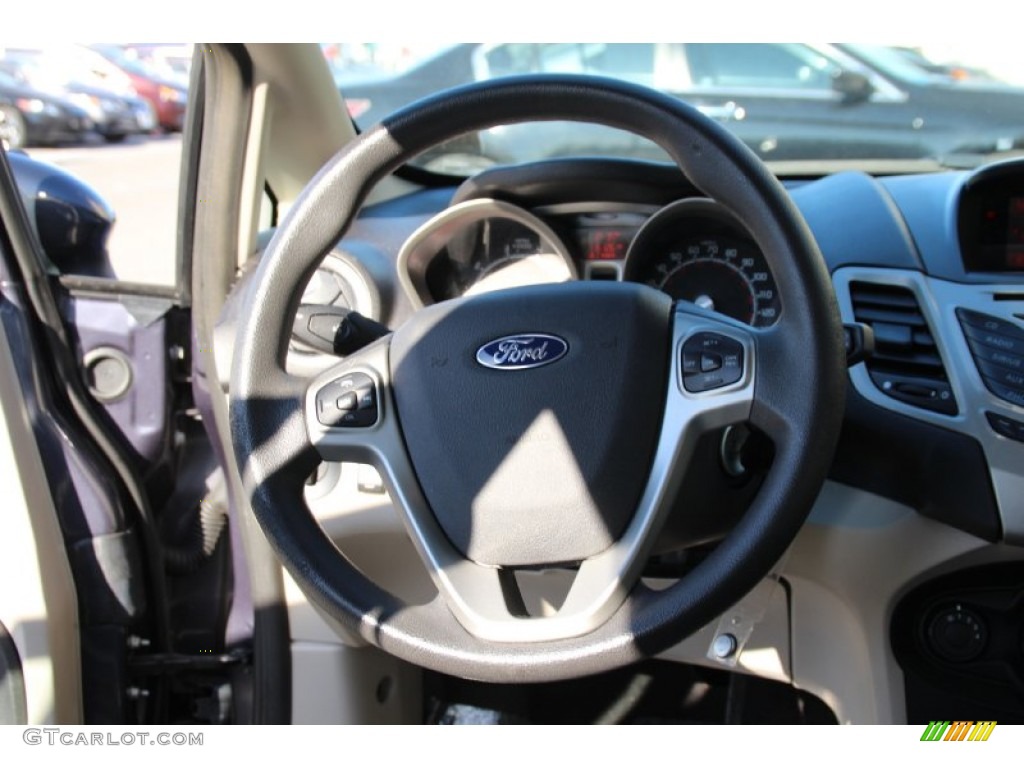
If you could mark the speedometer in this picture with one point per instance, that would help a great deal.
(695, 251)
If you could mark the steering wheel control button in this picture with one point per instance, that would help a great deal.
(1005, 426)
(350, 401)
(366, 398)
(711, 361)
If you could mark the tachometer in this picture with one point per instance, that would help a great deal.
(694, 250)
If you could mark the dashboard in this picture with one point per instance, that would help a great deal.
(933, 421)
(929, 262)
(934, 418)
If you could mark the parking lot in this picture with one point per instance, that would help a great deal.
(139, 178)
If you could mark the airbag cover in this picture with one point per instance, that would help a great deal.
(534, 465)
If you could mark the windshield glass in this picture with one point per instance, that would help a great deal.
(810, 105)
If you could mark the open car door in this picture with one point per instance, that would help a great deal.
(121, 602)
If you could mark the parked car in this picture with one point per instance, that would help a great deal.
(31, 117)
(167, 95)
(953, 71)
(588, 440)
(94, 85)
(786, 101)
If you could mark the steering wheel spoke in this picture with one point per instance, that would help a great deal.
(781, 383)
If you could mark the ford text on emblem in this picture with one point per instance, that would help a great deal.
(525, 350)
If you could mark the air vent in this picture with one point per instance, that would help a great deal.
(906, 364)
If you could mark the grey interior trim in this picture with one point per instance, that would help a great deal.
(81, 285)
(938, 300)
(595, 206)
(427, 242)
(226, 124)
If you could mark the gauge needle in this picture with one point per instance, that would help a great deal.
(705, 302)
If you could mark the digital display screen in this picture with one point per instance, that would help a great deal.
(606, 243)
(992, 236)
(1015, 234)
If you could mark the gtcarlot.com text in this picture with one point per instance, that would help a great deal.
(57, 737)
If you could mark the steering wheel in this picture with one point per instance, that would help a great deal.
(543, 426)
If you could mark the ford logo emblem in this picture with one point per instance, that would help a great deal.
(524, 350)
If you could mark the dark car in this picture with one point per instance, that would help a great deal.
(953, 71)
(31, 117)
(116, 114)
(786, 101)
(167, 96)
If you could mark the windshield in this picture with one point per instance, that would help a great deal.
(813, 105)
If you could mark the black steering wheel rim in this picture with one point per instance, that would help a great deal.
(799, 388)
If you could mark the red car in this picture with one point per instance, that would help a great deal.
(166, 95)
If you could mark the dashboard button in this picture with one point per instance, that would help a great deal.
(998, 357)
(1012, 379)
(925, 393)
(1006, 426)
(980, 339)
(993, 325)
(1009, 394)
